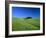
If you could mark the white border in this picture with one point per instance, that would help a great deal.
(25, 32)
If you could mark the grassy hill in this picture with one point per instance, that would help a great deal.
(21, 24)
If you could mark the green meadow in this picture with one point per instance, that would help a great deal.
(22, 24)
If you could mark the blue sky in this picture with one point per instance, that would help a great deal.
(23, 12)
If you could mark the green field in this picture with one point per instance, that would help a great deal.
(22, 24)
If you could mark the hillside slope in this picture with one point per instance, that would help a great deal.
(21, 24)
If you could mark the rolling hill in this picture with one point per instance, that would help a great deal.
(22, 24)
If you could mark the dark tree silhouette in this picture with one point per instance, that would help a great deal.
(29, 18)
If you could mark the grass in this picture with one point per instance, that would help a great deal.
(22, 24)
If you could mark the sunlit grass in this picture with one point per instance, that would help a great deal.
(21, 24)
